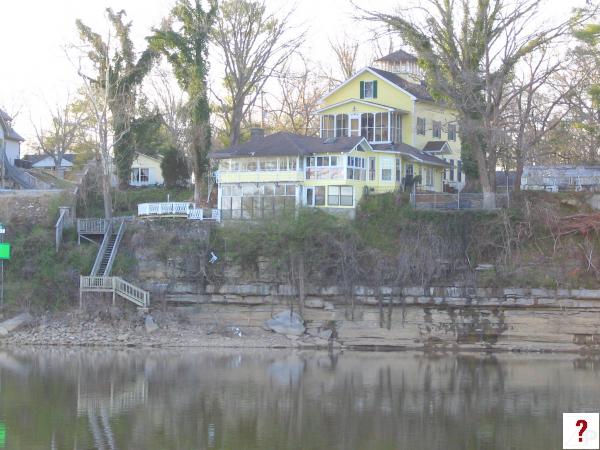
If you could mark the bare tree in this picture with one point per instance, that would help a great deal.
(470, 54)
(293, 108)
(254, 45)
(66, 130)
(100, 91)
(536, 105)
(346, 54)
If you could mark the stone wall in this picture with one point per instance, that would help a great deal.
(30, 206)
(443, 318)
(172, 256)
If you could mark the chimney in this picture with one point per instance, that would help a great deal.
(257, 133)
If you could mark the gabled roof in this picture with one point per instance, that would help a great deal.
(417, 90)
(413, 90)
(397, 56)
(9, 132)
(412, 153)
(158, 158)
(436, 146)
(288, 144)
(34, 159)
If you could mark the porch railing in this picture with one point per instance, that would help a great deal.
(180, 209)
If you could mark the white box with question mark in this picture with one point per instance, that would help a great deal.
(581, 431)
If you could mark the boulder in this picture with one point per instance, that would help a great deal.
(286, 323)
(12, 324)
(150, 324)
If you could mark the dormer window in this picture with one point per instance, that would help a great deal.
(368, 89)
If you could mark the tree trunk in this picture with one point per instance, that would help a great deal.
(301, 288)
(487, 185)
(236, 124)
(106, 197)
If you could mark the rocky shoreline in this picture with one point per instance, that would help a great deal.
(75, 328)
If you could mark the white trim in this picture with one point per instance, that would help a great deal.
(372, 72)
(357, 100)
(414, 123)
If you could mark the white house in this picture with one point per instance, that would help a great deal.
(146, 171)
(47, 162)
(10, 138)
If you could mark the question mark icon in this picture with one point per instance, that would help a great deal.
(583, 424)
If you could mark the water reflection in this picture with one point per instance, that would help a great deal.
(187, 399)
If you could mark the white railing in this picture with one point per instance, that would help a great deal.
(180, 209)
(164, 209)
(99, 226)
(102, 249)
(117, 286)
(59, 227)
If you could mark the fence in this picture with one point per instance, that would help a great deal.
(178, 209)
(438, 200)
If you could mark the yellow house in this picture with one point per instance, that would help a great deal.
(379, 132)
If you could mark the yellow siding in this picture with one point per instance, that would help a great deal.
(387, 94)
(433, 112)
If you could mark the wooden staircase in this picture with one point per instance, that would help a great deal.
(100, 279)
(108, 250)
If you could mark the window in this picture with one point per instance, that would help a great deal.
(328, 126)
(409, 170)
(367, 126)
(319, 195)
(421, 125)
(341, 125)
(437, 129)
(386, 169)
(268, 165)
(428, 176)
(224, 165)
(287, 163)
(356, 168)
(452, 132)
(451, 170)
(396, 128)
(346, 196)
(333, 199)
(139, 175)
(381, 127)
(368, 89)
(398, 171)
(459, 171)
(371, 169)
(235, 165)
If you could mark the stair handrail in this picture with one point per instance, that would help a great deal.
(102, 249)
(113, 253)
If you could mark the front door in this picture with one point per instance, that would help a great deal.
(310, 196)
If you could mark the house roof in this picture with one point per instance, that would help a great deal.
(397, 56)
(9, 132)
(411, 152)
(417, 90)
(434, 146)
(154, 157)
(34, 159)
(288, 144)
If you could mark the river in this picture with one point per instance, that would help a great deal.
(78, 398)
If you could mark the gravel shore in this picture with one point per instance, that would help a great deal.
(76, 328)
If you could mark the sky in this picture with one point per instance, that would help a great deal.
(35, 73)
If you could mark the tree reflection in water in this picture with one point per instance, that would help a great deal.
(226, 399)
